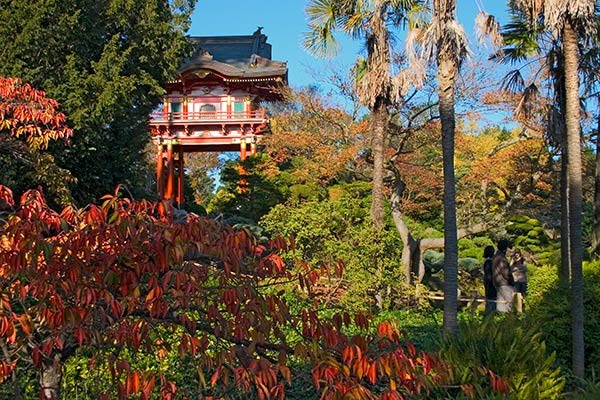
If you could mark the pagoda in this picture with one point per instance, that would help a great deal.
(214, 104)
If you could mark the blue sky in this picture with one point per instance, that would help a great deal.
(284, 22)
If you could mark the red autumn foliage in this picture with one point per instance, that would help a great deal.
(27, 113)
(112, 274)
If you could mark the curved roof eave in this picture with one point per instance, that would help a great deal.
(224, 70)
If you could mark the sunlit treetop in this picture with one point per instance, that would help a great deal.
(26, 113)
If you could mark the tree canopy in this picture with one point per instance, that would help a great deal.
(107, 64)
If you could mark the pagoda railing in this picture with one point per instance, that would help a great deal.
(161, 117)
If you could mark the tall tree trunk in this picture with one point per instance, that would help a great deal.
(379, 120)
(565, 236)
(596, 228)
(565, 245)
(571, 57)
(447, 70)
(50, 378)
(410, 249)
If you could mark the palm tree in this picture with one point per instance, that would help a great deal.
(369, 21)
(572, 21)
(534, 43)
(443, 38)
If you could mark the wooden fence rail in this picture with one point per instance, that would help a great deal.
(517, 301)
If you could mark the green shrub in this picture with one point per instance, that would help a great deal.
(327, 232)
(512, 349)
(587, 389)
(548, 306)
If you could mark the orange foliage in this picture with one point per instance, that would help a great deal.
(322, 139)
(516, 170)
(27, 112)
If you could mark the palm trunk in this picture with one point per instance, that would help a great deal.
(447, 70)
(565, 245)
(50, 378)
(565, 237)
(595, 248)
(379, 120)
(571, 57)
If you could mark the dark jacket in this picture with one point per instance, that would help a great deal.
(488, 279)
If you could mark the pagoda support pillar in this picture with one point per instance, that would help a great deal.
(243, 171)
(159, 172)
(166, 108)
(180, 175)
(243, 149)
(170, 172)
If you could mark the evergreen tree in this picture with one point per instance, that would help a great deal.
(106, 62)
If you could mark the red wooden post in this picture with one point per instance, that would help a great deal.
(180, 175)
(243, 149)
(242, 168)
(159, 172)
(166, 108)
(170, 171)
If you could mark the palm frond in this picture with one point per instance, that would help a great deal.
(487, 27)
(323, 20)
(460, 41)
(581, 12)
(321, 42)
(531, 9)
(555, 127)
(522, 37)
(589, 66)
(355, 24)
(400, 12)
(417, 66)
(527, 104)
(322, 12)
(400, 85)
(513, 81)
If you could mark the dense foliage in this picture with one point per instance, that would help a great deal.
(118, 277)
(511, 349)
(548, 307)
(108, 283)
(28, 122)
(107, 64)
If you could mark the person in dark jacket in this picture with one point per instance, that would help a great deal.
(488, 280)
(503, 278)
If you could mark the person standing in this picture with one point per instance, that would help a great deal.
(503, 278)
(488, 280)
(519, 271)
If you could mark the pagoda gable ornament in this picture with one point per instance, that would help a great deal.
(205, 54)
